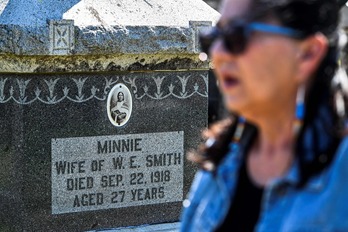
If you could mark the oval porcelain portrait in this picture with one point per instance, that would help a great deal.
(119, 105)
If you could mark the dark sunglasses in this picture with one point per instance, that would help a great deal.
(236, 35)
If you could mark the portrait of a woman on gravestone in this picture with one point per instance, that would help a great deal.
(120, 108)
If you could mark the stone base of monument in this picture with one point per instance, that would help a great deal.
(166, 227)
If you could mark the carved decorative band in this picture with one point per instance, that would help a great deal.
(82, 89)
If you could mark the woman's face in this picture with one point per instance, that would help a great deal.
(261, 78)
(120, 96)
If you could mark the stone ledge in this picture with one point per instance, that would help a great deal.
(62, 38)
(166, 227)
(24, 40)
(100, 63)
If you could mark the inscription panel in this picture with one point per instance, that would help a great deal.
(94, 173)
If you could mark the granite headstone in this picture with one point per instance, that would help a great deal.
(99, 102)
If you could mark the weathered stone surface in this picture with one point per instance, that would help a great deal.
(103, 13)
(33, 13)
(140, 13)
(102, 63)
(96, 49)
(91, 40)
(103, 27)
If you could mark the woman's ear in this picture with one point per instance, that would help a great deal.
(312, 51)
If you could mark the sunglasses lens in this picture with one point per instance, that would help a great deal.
(235, 39)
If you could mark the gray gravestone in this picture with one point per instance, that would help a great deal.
(98, 105)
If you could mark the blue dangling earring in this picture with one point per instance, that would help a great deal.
(238, 134)
(239, 130)
(300, 109)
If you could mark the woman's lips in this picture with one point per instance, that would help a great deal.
(229, 82)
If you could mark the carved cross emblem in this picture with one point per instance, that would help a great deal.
(61, 36)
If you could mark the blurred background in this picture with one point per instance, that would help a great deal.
(213, 3)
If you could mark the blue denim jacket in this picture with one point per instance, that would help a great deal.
(322, 205)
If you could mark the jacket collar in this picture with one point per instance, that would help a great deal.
(315, 183)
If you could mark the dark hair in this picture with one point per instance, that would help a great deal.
(310, 17)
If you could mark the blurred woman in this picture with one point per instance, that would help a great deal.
(280, 162)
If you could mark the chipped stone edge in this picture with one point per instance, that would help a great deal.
(36, 41)
(197, 27)
(98, 49)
